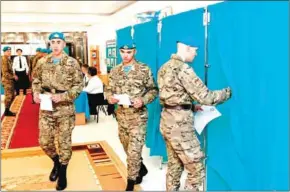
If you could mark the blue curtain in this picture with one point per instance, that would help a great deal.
(123, 36)
(146, 39)
(248, 145)
(66, 50)
(187, 24)
(2, 90)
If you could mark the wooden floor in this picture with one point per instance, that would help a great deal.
(94, 166)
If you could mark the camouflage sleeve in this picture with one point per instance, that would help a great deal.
(78, 84)
(109, 88)
(30, 64)
(33, 65)
(37, 63)
(34, 62)
(198, 91)
(151, 88)
(36, 77)
(160, 84)
(5, 69)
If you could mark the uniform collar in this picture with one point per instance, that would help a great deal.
(177, 57)
(63, 58)
(133, 66)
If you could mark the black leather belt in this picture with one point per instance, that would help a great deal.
(179, 107)
(52, 90)
(131, 106)
(127, 106)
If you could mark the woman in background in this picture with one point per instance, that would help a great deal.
(95, 90)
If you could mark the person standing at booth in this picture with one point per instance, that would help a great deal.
(7, 80)
(58, 76)
(136, 80)
(179, 86)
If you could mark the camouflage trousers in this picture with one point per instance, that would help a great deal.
(183, 149)
(9, 93)
(57, 129)
(132, 130)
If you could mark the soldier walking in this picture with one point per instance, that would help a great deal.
(135, 79)
(8, 80)
(60, 77)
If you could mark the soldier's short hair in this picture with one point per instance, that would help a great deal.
(85, 66)
(92, 71)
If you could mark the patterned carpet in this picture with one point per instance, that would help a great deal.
(94, 166)
(8, 123)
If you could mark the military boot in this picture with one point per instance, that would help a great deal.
(55, 170)
(9, 113)
(62, 181)
(130, 185)
(142, 172)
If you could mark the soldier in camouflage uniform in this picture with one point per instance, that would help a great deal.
(135, 79)
(59, 76)
(179, 86)
(7, 80)
(42, 52)
(37, 52)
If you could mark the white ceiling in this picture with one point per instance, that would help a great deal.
(40, 15)
(63, 7)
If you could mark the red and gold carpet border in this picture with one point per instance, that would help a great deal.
(8, 123)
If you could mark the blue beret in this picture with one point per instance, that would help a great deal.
(43, 50)
(128, 45)
(6, 48)
(56, 35)
(187, 41)
(38, 49)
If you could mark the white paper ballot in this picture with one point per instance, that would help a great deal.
(202, 118)
(124, 99)
(45, 102)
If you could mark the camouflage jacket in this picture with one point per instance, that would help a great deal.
(34, 63)
(138, 83)
(6, 69)
(31, 61)
(178, 85)
(64, 76)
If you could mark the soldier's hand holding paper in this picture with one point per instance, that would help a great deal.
(202, 118)
(45, 102)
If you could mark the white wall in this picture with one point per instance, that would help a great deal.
(125, 17)
(98, 35)
(43, 28)
(13, 22)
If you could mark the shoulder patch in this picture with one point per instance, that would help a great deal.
(71, 61)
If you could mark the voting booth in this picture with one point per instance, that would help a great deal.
(243, 45)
